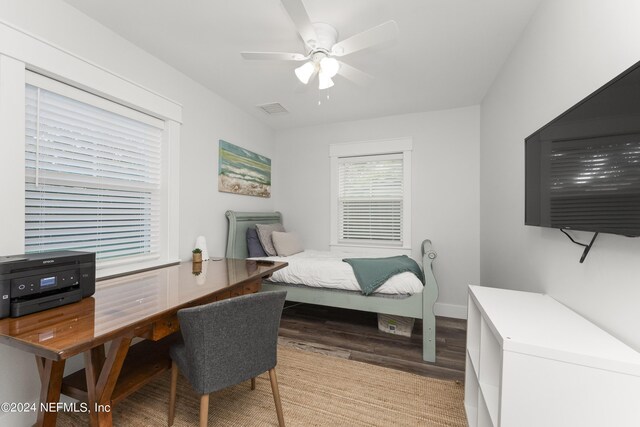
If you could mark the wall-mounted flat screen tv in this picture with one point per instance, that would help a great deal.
(582, 170)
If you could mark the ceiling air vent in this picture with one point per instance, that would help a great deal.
(273, 108)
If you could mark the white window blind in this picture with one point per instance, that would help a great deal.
(92, 176)
(370, 199)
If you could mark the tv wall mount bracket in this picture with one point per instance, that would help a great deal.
(587, 248)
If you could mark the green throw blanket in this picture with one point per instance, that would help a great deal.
(373, 272)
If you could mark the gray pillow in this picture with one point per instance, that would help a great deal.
(286, 243)
(264, 234)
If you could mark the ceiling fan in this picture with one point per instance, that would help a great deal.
(322, 48)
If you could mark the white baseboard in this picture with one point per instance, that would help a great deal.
(450, 310)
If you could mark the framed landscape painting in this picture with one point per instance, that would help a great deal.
(242, 171)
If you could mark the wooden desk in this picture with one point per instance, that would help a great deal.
(141, 305)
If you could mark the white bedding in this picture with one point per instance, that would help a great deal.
(321, 269)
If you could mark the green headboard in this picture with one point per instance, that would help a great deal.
(238, 224)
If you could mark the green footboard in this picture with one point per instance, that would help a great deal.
(429, 297)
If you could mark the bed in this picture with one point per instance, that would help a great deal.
(417, 305)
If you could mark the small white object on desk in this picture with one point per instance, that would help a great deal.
(201, 243)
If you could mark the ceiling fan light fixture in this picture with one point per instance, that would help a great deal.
(305, 71)
(329, 66)
(321, 47)
(324, 80)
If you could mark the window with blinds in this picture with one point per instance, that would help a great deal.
(370, 199)
(92, 176)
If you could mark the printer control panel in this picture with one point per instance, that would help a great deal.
(32, 285)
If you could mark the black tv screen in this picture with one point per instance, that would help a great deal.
(582, 170)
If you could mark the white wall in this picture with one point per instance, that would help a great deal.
(206, 118)
(570, 48)
(445, 187)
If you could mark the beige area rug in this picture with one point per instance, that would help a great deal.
(316, 390)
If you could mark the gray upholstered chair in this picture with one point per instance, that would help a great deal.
(225, 343)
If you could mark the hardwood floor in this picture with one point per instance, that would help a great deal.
(354, 335)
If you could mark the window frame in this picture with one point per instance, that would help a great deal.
(403, 146)
(38, 82)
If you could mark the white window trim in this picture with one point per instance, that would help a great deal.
(368, 148)
(21, 51)
(45, 58)
(85, 97)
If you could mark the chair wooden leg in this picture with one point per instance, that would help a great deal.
(172, 392)
(276, 395)
(253, 383)
(204, 410)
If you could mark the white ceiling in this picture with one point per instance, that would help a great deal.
(447, 55)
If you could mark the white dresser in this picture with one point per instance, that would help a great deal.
(531, 361)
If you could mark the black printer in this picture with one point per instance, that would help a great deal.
(35, 282)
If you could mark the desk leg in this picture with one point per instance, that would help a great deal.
(93, 361)
(51, 379)
(40, 364)
(102, 375)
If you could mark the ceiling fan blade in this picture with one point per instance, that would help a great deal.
(351, 73)
(300, 18)
(273, 56)
(371, 37)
